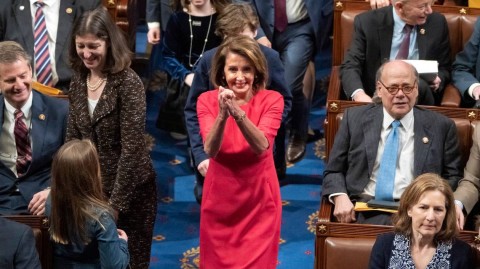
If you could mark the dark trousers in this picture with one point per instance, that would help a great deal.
(296, 46)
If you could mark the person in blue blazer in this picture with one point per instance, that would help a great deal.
(18, 246)
(46, 119)
(466, 69)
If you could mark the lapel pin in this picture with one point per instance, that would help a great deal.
(425, 140)
(21, 7)
(69, 10)
(422, 31)
(41, 116)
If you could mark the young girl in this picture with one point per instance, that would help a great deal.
(82, 225)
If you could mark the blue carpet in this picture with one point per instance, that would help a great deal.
(176, 232)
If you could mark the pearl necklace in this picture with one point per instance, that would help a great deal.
(97, 85)
(191, 39)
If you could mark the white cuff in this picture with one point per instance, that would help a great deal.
(331, 196)
(355, 92)
(152, 25)
(470, 89)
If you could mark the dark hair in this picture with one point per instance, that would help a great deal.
(76, 193)
(411, 196)
(99, 23)
(178, 5)
(245, 47)
(235, 18)
(11, 51)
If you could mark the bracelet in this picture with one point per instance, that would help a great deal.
(241, 117)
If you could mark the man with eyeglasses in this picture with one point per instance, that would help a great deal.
(426, 141)
(408, 29)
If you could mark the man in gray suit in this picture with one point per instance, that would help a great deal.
(427, 143)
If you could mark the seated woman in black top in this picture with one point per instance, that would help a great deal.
(425, 229)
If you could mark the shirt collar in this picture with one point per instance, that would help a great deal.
(46, 2)
(406, 121)
(26, 108)
(398, 23)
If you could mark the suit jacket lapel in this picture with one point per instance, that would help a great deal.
(23, 17)
(422, 41)
(65, 21)
(39, 124)
(372, 126)
(107, 101)
(423, 138)
(385, 33)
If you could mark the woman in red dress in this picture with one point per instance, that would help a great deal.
(241, 207)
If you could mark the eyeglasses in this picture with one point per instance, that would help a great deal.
(395, 88)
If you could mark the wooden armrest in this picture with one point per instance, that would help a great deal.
(326, 211)
(451, 97)
(47, 90)
(335, 86)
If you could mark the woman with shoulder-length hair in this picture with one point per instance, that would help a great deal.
(241, 208)
(108, 106)
(82, 225)
(425, 230)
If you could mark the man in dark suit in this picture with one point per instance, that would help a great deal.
(309, 24)
(18, 246)
(237, 18)
(378, 37)
(44, 117)
(157, 14)
(427, 143)
(16, 17)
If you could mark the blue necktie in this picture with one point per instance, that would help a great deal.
(388, 164)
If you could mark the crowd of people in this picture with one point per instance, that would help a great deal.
(237, 70)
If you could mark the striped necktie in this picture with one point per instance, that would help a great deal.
(22, 142)
(43, 67)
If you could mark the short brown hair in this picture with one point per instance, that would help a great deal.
(11, 51)
(99, 23)
(245, 47)
(76, 193)
(235, 18)
(411, 196)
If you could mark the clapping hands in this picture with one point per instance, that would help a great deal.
(226, 100)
